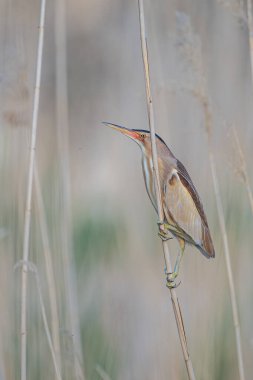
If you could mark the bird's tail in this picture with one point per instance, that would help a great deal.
(206, 247)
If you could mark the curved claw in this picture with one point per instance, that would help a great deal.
(170, 280)
(164, 236)
(172, 284)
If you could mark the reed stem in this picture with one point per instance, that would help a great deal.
(250, 31)
(27, 221)
(228, 266)
(31, 267)
(174, 299)
(204, 101)
(201, 94)
(49, 267)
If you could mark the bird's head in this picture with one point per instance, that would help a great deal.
(141, 137)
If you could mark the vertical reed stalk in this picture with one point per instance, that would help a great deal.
(209, 127)
(174, 299)
(27, 221)
(250, 30)
(30, 266)
(62, 118)
(229, 267)
(44, 317)
(194, 56)
(49, 267)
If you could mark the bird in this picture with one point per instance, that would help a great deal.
(184, 216)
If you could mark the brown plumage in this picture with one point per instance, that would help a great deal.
(200, 238)
(184, 214)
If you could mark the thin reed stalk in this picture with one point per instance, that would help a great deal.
(250, 31)
(32, 268)
(27, 221)
(49, 267)
(62, 119)
(202, 97)
(192, 53)
(204, 101)
(174, 299)
(228, 266)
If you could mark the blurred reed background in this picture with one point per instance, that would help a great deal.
(93, 233)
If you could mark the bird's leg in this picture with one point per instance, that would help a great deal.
(171, 276)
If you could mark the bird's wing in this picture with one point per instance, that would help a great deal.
(183, 206)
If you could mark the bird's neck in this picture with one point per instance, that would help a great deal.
(148, 174)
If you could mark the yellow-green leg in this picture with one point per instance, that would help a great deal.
(171, 276)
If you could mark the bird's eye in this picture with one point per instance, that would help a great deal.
(142, 135)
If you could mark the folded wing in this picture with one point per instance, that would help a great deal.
(184, 208)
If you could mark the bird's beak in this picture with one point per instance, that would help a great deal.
(128, 132)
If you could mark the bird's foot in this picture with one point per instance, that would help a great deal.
(171, 284)
(163, 231)
(171, 276)
(164, 235)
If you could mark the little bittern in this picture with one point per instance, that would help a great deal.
(184, 215)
